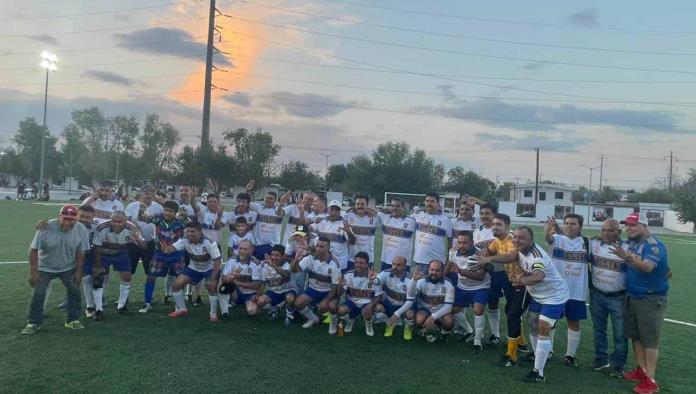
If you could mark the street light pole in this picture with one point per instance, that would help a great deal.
(589, 194)
(326, 172)
(48, 62)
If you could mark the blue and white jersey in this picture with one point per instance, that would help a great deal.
(268, 224)
(639, 284)
(483, 236)
(431, 233)
(608, 269)
(571, 260)
(393, 288)
(235, 239)
(397, 237)
(359, 289)
(202, 254)
(552, 290)
(339, 239)
(229, 218)
(469, 263)
(433, 296)
(460, 225)
(321, 275)
(248, 272)
(111, 242)
(274, 281)
(147, 228)
(364, 228)
(207, 220)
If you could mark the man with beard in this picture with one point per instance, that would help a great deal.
(241, 275)
(274, 272)
(269, 224)
(361, 298)
(150, 208)
(397, 234)
(433, 233)
(435, 297)
(104, 202)
(392, 285)
(465, 222)
(363, 224)
(298, 213)
(338, 232)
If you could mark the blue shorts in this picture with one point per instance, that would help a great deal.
(197, 276)
(120, 261)
(500, 286)
(278, 298)
(425, 310)
(87, 266)
(460, 298)
(575, 310)
(387, 266)
(553, 311)
(315, 295)
(355, 310)
(164, 264)
(390, 308)
(470, 297)
(260, 251)
(243, 298)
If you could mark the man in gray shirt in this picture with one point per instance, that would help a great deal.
(57, 251)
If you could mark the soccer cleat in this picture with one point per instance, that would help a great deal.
(214, 318)
(178, 313)
(31, 329)
(493, 340)
(288, 321)
(467, 337)
(225, 316)
(122, 311)
(636, 374)
(549, 357)
(311, 323)
(64, 305)
(529, 358)
(478, 349)
(534, 377)
(189, 297)
(389, 331)
(408, 333)
(599, 365)
(198, 302)
(74, 325)
(369, 329)
(570, 361)
(145, 309)
(167, 300)
(523, 348)
(507, 362)
(646, 386)
(616, 372)
(273, 315)
(327, 318)
(89, 313)
(99, 316)
(349, 325)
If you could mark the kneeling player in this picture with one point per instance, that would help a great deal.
(393, 285)
(359, 285)
(435, 298)
(241, 275)
(205, 264)
(322, 284)
(275, 273)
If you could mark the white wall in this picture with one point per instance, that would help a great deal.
(543, 210)
(673, 223)
(620, 213)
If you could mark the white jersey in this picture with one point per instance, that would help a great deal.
(394, 288)
(608, 269)
(229, 218)
(275, 281)
(571, 258)
(146, 229)
(291, 245)
(322, 275)
(111, 242)
(294, 219)
(431, 233)
(358, 288)
(397, 237)
(103, 208)
(203, 254)
(483, 236)
(268, 224)
(469, 263)
(338, 237)
(364, 228)
(207, 220)
(235, 239)
(433, 296)
(462, 225)
(552, 290)
(190, 212)
(248, 272)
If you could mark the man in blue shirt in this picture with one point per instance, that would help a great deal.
(646, 298)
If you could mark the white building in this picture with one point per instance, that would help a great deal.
(553, 200)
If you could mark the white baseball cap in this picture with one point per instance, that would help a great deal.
(334, 203)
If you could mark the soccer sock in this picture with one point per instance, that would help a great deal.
(573, 342)
(224, 301)
(334, 320)
(98, 295)
(180, 301)
(308, 313)
(479, 325)
(123, 291)
(290, 312)
(213, 304)
(149, 289)
(188, 289)
(460, 319)
(521, 340)
(551, 335)
(380, 317)
(494, 321)
(409, 322)
(512, 348)
(88, 290)
(533, 341)
(168, 285)
(543, 349)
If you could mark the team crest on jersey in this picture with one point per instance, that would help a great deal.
(403, 288)
(405, 225)
(439, 222)
(330, 269)
(655, 249)
(443, 290)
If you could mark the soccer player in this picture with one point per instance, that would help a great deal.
(104, 202)
(363, 224)
(274, 272)
(322, 284)
(269, 224)
(147, 206)
(607, 292)
(210, 217)
(299, 245)
(359, 286)
(339, 234)
(189, 206)
(111, 242)
(205, 264)
(241, 233)
(241, 274)
(298, 213)
(472, 285)
(465, 222)
(549, 294)
(393, 285)
(168, 229)
(241, 210)
(433, 233)
(435, 297)
(570, 254)
(397, 234)
(319, 208)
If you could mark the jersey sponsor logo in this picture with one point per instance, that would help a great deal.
(271, 219)
(483, 244)
(396, 295)
(114, 247)
(397, 232)
(575, 256)
(295, 221)
(431, 229)
(319, 277)
(363, 230)
(432, 300)
(608, 264)
(275, 282)
(360, 293)
(334, 237)
(200, 257)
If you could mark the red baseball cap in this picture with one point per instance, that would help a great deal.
(68, 212)
(633, 219)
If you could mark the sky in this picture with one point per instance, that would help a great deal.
(475, 84)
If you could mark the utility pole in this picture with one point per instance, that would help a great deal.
(671, 168)
(205, 131)
(601, 171)
(326, 173)
(536, 184)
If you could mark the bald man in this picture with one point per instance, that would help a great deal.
(392, 284)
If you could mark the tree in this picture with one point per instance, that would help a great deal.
(28, 141)
(10, 162)
(503, 191)
(606, 194)
(254, 153)
(469, 182)
(685, 199)
(157, 142)
(212, 168)
(337, 176)
(655, 195)
(296, 175)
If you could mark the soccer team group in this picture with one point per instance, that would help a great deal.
(432, 269)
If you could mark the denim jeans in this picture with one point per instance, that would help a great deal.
(601, 307)
(38, 295)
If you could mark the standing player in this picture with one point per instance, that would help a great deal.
(297, 213)
(210, 217)
(570, 254)
(338, 232)
(472, 286)
(393, 285)
(241, 274)
(465, 222)
(322, 284)
(275, 274)
(433, 233)
(205, 264)
(359, 285)
(299, 245)
(363, 224)
(104, 202)
(549, 294)
(269, 224)
(189, 206)
(397, 234)
(149, 208)
(435, 297)
(319, 208)
(241, 210)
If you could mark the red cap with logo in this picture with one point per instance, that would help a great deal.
(633, 219)
(68, 211)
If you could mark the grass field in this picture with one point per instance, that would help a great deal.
(154, 353)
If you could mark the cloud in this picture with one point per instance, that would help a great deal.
(165, 41)
(107, 76)
(585, 18)
(44, 38)
(530, 141)
(306, 105)
(239, 98)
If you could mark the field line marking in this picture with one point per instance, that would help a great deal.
(13, 262)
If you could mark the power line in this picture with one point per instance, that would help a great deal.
(90, 81)
(34, 18)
